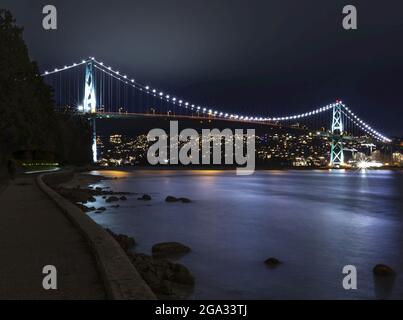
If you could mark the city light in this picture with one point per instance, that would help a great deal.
(369, 164)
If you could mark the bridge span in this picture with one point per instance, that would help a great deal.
(95, 88)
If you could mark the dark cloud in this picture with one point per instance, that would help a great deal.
(266, 56)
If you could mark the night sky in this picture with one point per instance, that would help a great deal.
(264, 57)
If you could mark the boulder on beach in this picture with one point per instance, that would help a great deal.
(91, 199)
(165, 249)
(182, 275)
(112, 199)
(76, 195)
(166, 279)
(272, 262)
(124, 241)
(145, 197)
(383, 270)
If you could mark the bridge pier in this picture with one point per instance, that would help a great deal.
(336, 150)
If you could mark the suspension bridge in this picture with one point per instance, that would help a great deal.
(93, 88)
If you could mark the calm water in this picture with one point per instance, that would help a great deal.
(314, 221)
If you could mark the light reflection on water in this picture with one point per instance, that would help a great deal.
(314, 221)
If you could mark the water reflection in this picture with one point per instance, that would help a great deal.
(314, 221)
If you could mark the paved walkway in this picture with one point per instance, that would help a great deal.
(35, 233)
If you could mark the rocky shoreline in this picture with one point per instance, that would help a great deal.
(77, 190)
(168, 280)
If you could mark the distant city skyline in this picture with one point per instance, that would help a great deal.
(277, 147)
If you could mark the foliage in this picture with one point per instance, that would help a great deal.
(28, 122)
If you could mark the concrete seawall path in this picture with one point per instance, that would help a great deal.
(35, 233)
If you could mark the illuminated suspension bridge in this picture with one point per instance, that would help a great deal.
(92, 87)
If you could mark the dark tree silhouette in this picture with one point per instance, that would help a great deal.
(28, 122)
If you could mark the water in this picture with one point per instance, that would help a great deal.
(314, 221)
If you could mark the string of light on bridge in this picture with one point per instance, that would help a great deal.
(210, 111)
(365, 127)
(56, 70)
(181, 102)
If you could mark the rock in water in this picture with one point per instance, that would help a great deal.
(145, 197)
(164, 249)
(112, 199)
(85, 208)
(383, 270)
(123, 198)
(174, 199)
(171, 199)
(272, 262)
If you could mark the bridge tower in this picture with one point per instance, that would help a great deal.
(90, 101)
(336, 152)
